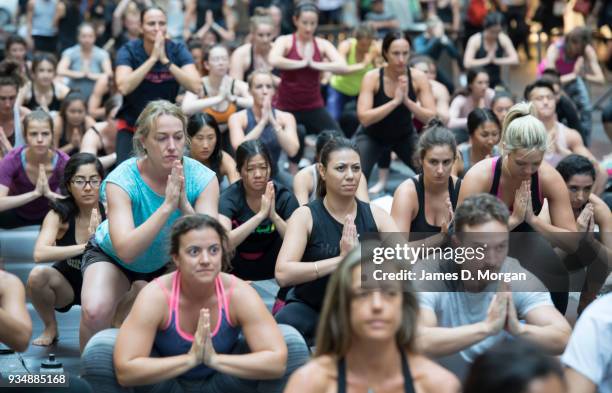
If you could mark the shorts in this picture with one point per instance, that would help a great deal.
(93, 253)
(74, 278)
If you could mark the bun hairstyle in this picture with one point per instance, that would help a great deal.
(10, 74)
(434, 134)
(522, 130)
(261, 17)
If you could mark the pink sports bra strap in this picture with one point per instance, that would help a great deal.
(223, 297)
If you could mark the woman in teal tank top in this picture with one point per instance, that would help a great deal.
(145, 195)
(360, 53)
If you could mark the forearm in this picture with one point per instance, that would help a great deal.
(108, 160)
(14, 201)
(254, 134)
(280, 224)
(550, 338)
(71, 74)
(567, 78)
(239, 234)
(293, 273)
(287, 141)
(130, 244)
(193, 106)
(508, 60)
(14, 333)
(374, 115)
(421, 113)
(135, 78)
(244, 102)
(283, 63)
(258, 365)
(595, 78)
(457, 122)
(189, 82)
(439, 341)
(336, 68)
(474, 63)
(57, 253)
(149, 370)
(556, 235)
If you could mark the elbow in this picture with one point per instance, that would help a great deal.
(363, 120)
(194, 86)
(38, 256)
(123, 376)
(281, 276)
(123, 88)
(123, 253)
(293, 150)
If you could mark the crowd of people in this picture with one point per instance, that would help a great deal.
(180, 167)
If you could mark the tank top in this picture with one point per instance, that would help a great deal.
(69, 239)
(465, 149)
(408, 386)
(324, 243)
(350, 84)
(251, 66)
(173, 341)
(419, 224)
(563, 65)
(267, 137)
(553, 157)
(299, 90)
(215, 6)
(492, 69)
(222, 117)
(42, 18)
(536, 194)
(398, 124)
(33, 104)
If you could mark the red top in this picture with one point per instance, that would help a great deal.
(299, 89)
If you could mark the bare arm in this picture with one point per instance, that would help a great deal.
(302, 185)
(511, 57)
(578, 383)
(405, 205)
(128, 79)
(193, 104)
(11, 202)
(228, 168)
(427, 108)
(335, 62)
(469, 57)
(454, 113)
(15, 322)
(238, 235)
(548, 328)
(95, 105)
(187, 76)
(277, 55)
(91, 143)
(63, 69)
(366, 112)
(118, 17)
(286, 133)
(237, 62)
(45, 249)
(595, 73)
(208, 200)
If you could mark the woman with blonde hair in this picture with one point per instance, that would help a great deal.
(145, 195)
(366, 339)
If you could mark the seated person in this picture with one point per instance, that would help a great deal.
(564, 141)
(254, 212)
(307, 179)
(515, 366)
(100, 139)
(63, 236)
(319, 234)
(565, 108)
(382, 20)
(71, 123)
(438, 90)
(226, 340)
(349, 343)
(484, 129)
(470, 316)
(588, 356)
(205, 146)
(30, 175)
(15, 322)
(502, 101)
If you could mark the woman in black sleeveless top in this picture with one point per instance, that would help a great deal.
(385, 109)
(322, 232)
(63, 236)
(425, 203)
(366, 340)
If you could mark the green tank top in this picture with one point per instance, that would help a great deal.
(350, 84)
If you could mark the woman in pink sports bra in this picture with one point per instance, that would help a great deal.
(302, 57)
(197, 328)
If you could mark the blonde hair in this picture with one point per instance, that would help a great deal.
(334, 332)
(522, 130)
(147, 122)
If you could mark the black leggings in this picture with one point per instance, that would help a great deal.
(316, 120)
(302, 317)
(124, 146)
(371, 150)
(9, 219)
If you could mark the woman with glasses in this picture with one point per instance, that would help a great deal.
(63, 237)
(30, 174)
(366, 339)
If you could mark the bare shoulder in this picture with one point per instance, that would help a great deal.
(405, 190)
(431, 376)
(600, 209)
(319, 375)
(482, 171)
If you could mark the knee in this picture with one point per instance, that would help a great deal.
(97, 312)
(38, 278)
(97, 357)
(297, 350)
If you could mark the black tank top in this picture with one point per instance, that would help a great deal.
(419, 223)
(69, 238)
(324, 243)
(536, 201)
(398, 124)
(32, 104)
(492, 69)
(408, 386)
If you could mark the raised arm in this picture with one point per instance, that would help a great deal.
(15, 322)
(277, 55)
(511, 57)
(335, 63)
(302, 185)
(425, 109)
(45, 249)
(237, 62)
(91, 143)
(454, 113)
(469, 57)
(594, 74)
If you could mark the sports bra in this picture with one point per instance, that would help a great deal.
(536, 192)
(222, 117)
(172, 340)
(419, 223)
(408, 386)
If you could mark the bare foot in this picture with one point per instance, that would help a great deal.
(48, 337)
(377, 188)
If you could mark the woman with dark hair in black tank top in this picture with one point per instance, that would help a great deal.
(425, 203)
(63, 236)
(385, 109)
(322, 232)
(366, 340)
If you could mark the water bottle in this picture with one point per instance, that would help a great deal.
(51, 366)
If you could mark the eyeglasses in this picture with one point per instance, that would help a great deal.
(94, 183)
